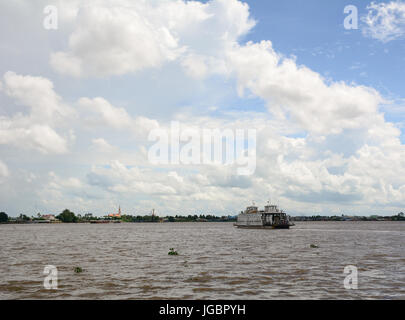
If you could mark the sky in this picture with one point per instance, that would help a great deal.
(83, 84)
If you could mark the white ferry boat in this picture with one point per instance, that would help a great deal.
(269, 218)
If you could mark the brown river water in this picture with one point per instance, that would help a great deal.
(215, 261)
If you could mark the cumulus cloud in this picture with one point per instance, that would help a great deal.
(61, 183)
(36, 127)
(114, 38)
(38, 94)
(309, 169)
(57, 192)
(45, 122)
(99, 112)
(101, 145)
(105, 114)
(118, 178)
(38, 137)
(112, 41)
(300, 94)
(385, 21)
(322, 142)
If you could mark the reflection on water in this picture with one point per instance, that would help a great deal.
(215, 261)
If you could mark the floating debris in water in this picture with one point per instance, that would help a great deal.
(172, 252)
(78, 270)
(314, 246)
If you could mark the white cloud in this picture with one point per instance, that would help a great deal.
(38, 94)
(323, 146)
(385, 21)
(101, 113)
(299, 170)
(38, 137)
(117, 40)
(56, 192)
(3, 170)
(105, 114)
(118, 178)
(45, 122)
(101, 145)
(34, 129)
(195, 66)
(298, 93)
(114, 38)
(57, 182)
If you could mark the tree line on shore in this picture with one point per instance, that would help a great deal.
(399, 217)
(68, 216)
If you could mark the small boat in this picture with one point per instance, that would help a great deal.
(269, 218)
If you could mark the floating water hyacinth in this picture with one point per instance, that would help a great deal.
(78, 270)
(172, 252)
(314, 246)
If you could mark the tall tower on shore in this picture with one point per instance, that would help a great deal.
(119, 210)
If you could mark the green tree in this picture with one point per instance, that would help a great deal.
(3, 217)
(88, 216)
(67, 216)
(23, 217)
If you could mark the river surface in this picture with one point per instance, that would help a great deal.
(215, 261)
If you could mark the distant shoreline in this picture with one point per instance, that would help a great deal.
(69, 217)
(155, 222)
